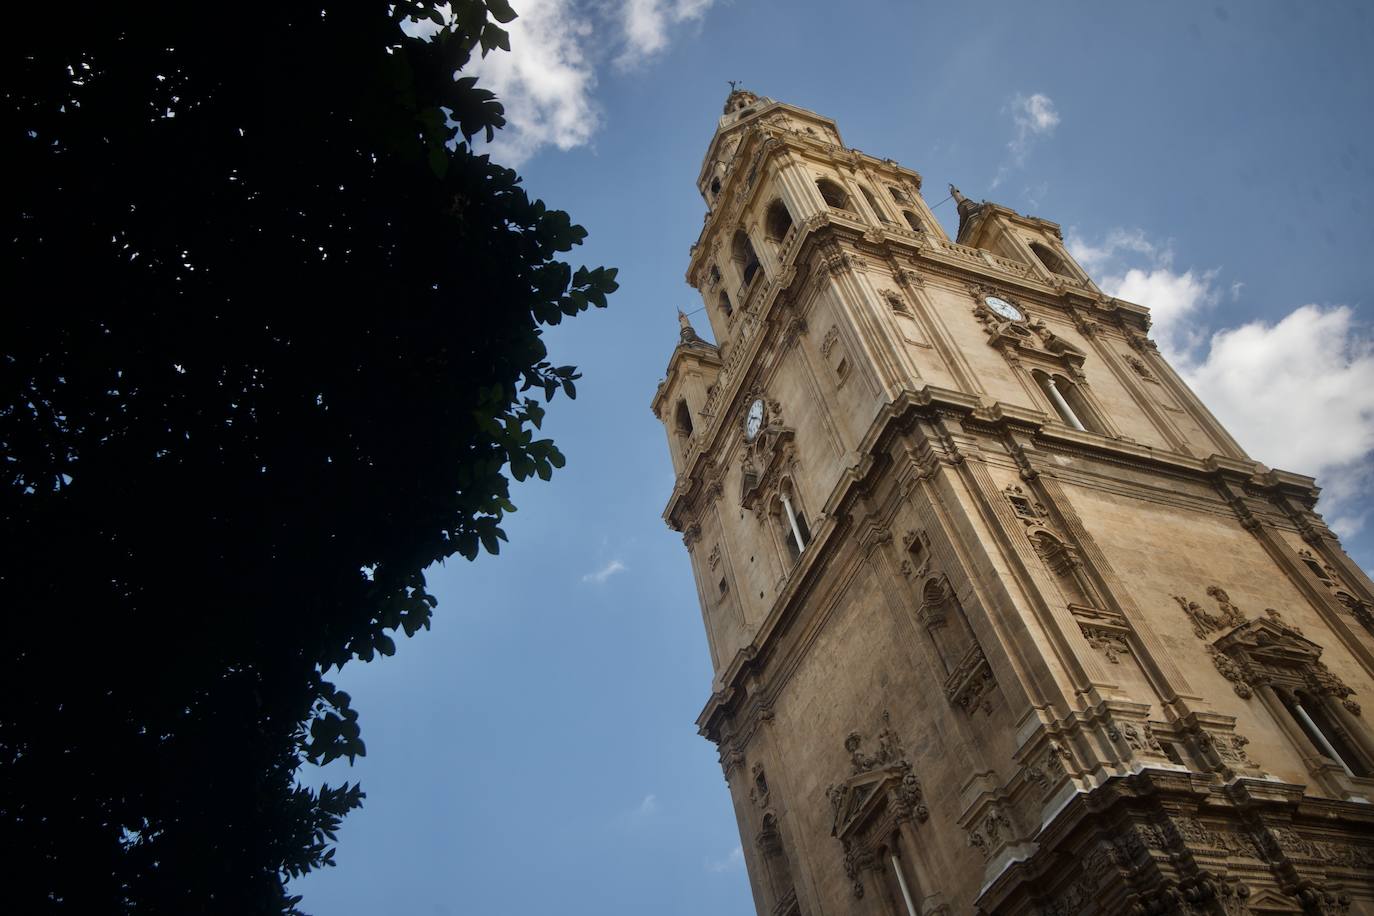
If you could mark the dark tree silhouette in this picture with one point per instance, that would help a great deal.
(270, 346)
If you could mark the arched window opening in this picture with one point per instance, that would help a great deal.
(1052, 261)
(1067, 399)
(1328, 738)
(833, 194)
(911, 220)
(1073, 394)
(873, 204)
(743, 251)
(898, 195)
(724, 303)
(778, 222)
(715, 275)
(682, 418)
(795, 532)
(715, 186)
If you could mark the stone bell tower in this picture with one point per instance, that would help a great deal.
(1002, 620)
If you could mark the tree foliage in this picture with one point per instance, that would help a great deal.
(270, 347)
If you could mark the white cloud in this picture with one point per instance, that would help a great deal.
(1137, 269)
(733, 861)
(645, 24)
(604, 573)
(1034, 117)
(1175, 299)
(1118, 244)
(1297, 394)
(545, 81)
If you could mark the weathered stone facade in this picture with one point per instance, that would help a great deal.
(1003, 621)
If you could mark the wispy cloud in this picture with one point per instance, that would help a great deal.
(638, 816)
(732, 861)
(604, 573)
(1297, 393)
(645, 25)
(547, 81)
(1035, 194)
(1034, 118)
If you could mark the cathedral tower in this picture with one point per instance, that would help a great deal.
(1003, 621)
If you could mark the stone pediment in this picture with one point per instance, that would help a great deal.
(1267, 651)
(1268, 902)
(860, 797)
(882, 786)
(1269, 642)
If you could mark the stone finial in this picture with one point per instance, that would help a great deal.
(686, 330)
(967, 208)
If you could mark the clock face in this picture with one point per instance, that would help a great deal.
(1003, 307)
(754, 420)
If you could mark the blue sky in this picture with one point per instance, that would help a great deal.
(536, 751)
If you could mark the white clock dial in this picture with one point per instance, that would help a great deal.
(1003, 307)
(754, 421)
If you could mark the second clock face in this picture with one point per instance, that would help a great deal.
(754, 421)
(1003, 307)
